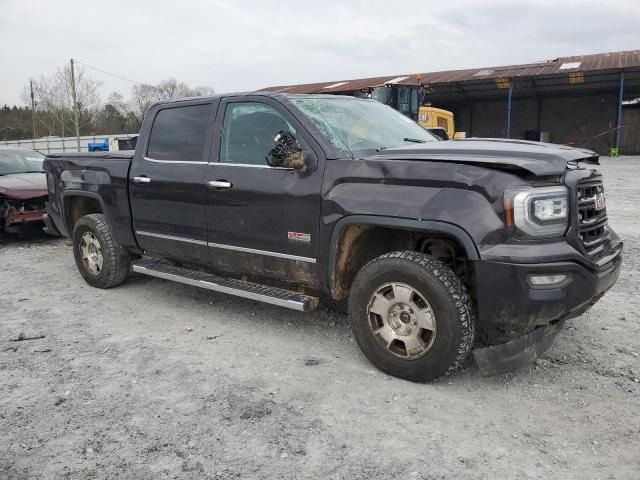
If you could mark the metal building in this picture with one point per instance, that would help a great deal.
(570, 100)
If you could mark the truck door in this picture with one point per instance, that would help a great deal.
(166, 183)
(263, 220)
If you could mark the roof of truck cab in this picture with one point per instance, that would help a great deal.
(257, 93)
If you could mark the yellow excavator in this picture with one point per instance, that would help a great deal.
(407, 100)
(437, 120)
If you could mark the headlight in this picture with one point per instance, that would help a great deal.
(538, 212)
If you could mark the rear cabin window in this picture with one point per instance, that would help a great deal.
(179, 133)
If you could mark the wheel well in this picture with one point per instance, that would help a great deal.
(360, 243)
(77, 207)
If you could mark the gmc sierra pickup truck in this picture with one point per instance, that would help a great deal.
(295, 200)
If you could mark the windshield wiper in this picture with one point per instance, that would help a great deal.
(414, 140)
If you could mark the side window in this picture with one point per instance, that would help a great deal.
(248, 132)
(179, 133)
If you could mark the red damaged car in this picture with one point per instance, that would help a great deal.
(23, 189)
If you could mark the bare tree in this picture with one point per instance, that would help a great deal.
(145, 95)
(119, 103)
(55, 105)
(203, 91)
(54, 100)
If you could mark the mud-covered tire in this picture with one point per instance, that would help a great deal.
(116, 261)
(447, 298)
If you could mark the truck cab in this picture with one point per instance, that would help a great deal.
(102, 146)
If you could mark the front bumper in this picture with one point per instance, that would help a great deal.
(13, 216)
(508, 305)
(530, 317)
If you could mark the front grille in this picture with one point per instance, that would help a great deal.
(592, 216)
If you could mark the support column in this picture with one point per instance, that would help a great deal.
(509, 110)
(619, 120)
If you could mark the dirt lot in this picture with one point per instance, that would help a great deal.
(159, 380)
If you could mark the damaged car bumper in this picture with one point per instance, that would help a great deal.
(16, 213)
(513, 303)
(517, 353)
(13, 215)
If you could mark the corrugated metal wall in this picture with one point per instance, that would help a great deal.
(630, 141)
(587, 120)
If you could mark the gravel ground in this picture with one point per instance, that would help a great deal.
(159, 380)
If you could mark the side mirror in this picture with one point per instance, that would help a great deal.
(286, 152)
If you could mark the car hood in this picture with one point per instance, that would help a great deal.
(21, 186)
(538, 158)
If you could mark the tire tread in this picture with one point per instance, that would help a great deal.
(114, 255)
(456, 290)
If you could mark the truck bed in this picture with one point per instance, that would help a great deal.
(102, 178)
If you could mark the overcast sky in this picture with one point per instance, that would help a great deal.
(244, 45)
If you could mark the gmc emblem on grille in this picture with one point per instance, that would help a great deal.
(600, 201)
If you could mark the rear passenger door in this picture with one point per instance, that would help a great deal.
(166, 182)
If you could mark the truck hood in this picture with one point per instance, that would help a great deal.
(21, 186)
(538, 158)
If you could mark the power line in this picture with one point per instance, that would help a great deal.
(108, 73)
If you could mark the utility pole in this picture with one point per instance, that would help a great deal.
(76, 113)
(33, 110)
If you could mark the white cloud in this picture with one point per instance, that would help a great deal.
(244, 45)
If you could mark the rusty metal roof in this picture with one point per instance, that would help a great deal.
(562, 65)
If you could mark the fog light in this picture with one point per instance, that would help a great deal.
(547, 280)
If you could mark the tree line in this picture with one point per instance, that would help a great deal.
(54, 115)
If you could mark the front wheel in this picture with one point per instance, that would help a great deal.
(101, 261)
(411, 316)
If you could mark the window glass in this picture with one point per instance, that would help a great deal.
(357, 125)
(179, 133)
(403, 100)
(442, 122)
(248, 132)
(381, 94)
(20, 161)
(414, 104)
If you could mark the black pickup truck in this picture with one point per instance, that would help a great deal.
(295, 200)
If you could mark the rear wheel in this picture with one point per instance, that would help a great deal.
(411, 316)
(101, 261)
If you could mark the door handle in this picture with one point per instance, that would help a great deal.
(141, 180)
(219, 184)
